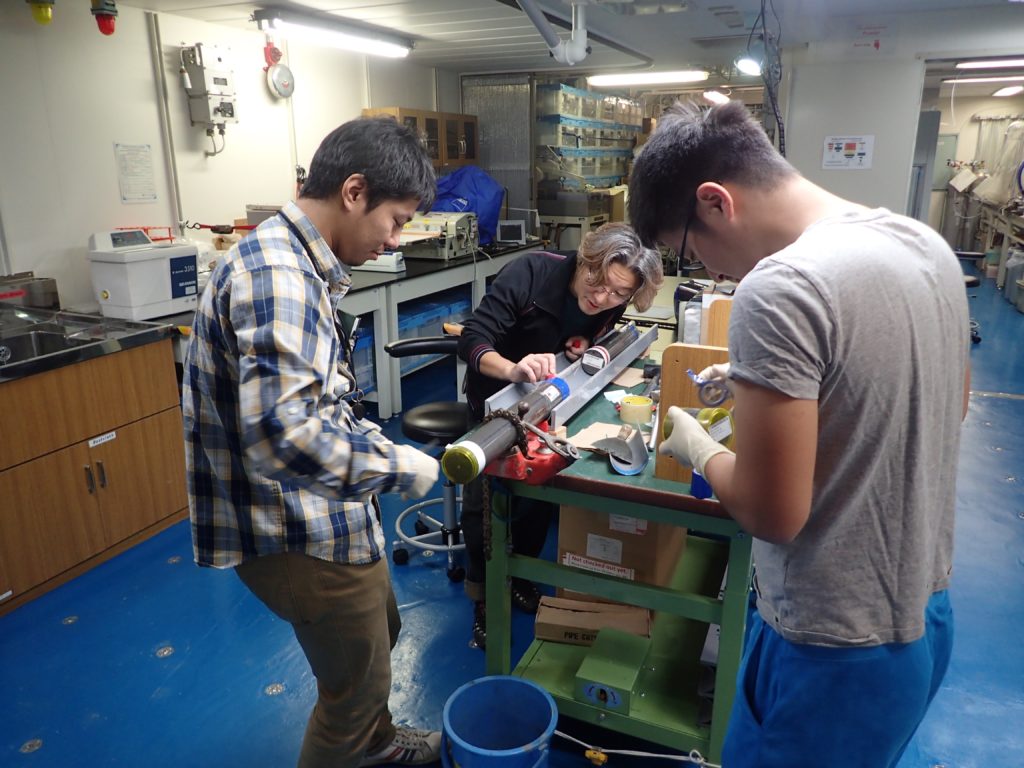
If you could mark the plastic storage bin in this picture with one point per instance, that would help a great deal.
(362, 363)
(1014, 272)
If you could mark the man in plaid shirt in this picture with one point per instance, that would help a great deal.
(281, 472)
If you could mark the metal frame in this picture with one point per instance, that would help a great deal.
(664, 715)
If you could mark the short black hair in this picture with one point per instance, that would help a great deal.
(692, 145)
(388, 155)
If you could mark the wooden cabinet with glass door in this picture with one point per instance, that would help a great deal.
(426, 125)
(451, 140)
(461, 141)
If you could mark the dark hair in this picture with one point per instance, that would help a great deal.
(691, 146)
(388, 154)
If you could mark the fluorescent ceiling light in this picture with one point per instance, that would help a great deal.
(1010, 90)
(748, 65)
(650, 78)
(328, 32)
(1008, 79)
(715, 96)
(1000, 64)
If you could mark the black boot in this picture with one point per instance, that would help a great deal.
(480, 625)
(525, 595)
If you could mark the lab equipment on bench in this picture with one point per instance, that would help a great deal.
(440, 235)
(134, 278)
(27, 290)
(389, 261)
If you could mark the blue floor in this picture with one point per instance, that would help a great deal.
(148, 660)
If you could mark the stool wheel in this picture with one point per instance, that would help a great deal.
(400, 556)
(457, 574)
(421, 528)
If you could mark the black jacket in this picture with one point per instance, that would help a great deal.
(520, 315)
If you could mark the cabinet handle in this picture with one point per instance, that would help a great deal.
(462, 146)
(90, 483)
(102, 473)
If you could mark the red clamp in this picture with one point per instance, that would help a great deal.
(538, 466)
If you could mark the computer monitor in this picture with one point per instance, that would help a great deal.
(511, 231)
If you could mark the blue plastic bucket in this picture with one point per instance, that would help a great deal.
(498, 722)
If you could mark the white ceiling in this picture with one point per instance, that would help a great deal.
(478, 36)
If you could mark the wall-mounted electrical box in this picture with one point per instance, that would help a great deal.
(210, 85)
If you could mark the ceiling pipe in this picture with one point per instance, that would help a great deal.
(568, 52)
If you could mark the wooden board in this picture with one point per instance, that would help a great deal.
(678, 389)
(714, 323)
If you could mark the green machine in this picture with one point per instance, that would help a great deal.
(608, 675)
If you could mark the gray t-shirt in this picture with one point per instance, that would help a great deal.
(867, 314)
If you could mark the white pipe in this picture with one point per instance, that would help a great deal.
(156, 51)
(568, 52)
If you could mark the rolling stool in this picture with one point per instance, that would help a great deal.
(438, 423)
(971, 281)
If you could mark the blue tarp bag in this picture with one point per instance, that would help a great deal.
(470, 189)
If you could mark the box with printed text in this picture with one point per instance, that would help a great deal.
(618, 545)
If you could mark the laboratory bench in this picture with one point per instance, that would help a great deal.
(666, 706)
(380, 295)
(1003, 229)
(663, 314)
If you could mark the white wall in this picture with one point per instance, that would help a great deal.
(839, 86)
(69, 94)
(834, 99)
(959, 112)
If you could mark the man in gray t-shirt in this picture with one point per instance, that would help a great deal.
(848, 343)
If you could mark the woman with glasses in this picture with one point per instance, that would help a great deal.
(539, 305)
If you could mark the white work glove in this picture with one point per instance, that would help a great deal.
(688, 443)
(717, 372)
(424, 467)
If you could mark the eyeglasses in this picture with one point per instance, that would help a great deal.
(686, 229)
(619, 296)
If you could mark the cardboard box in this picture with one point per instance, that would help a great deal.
(616, 200)
(649, 124)
(618, 545)
(577, 622)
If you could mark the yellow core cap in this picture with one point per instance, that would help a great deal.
(459, 464)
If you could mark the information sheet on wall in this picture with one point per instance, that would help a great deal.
(135, 173)
(847, 153)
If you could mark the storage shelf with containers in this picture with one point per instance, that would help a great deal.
(584, 138)
(417, 319)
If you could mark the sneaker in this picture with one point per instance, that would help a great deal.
(480, 625)
(411, 746)
(525, 595)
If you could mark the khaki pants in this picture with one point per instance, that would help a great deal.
(346, 619)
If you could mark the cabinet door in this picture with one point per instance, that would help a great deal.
(470, 139)
(6, 588)
(431, 131)
(49, 516)
(140, 474)
(461, 141)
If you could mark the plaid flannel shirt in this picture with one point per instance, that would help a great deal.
(276, 461)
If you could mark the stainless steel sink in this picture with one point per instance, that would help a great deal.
(36, 340)
(25, 346)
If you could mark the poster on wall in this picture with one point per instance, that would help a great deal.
(135, 173)
(847, 153)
